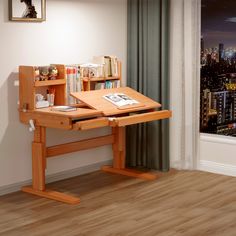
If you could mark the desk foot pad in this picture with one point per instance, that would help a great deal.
(61, 197)
(130, 172)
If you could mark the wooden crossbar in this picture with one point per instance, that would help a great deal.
(79, 145)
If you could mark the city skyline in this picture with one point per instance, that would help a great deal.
(218, 23)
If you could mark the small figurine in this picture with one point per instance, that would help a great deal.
(53, 72)
(36, 72)
(43, 73)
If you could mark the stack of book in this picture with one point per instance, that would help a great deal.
(73, 82)
(110, 64)
(102, 66)
(91, 70)
(107, 84)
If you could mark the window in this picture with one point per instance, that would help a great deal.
(218, 67)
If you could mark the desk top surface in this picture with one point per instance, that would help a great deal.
(79, 113)
(95, 100)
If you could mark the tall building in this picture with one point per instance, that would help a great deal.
(221, 52)
(202, 45)
(202, 51)
(208, 59)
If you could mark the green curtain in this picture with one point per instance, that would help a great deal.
(147, 72)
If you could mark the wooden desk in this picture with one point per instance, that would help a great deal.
(99, 113)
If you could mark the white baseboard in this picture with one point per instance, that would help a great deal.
(216, 138)
(217, 168)
(56, 177)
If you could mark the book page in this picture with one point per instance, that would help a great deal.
(120, 99)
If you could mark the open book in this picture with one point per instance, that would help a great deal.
(120, 99)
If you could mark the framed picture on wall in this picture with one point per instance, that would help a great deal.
(27, 10)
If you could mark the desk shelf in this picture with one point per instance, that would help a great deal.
(98, 79)
(30, 86)
(90, 83)
(49, 82)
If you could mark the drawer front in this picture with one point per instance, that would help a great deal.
(91, 124)
(49, 121)
(140, 118)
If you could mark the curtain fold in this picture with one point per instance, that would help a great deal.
(147, 72)
(184, 83)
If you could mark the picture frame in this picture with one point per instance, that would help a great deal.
(27, 10)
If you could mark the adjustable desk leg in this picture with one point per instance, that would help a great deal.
(119, 147)
(119, 158)
(38, 171)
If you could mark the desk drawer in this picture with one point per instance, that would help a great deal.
(140, 118)
(91, 124)
(46, 120)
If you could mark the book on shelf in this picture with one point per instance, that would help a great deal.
(91, 70)
(110, 64)
(99, 85)
(73, 82)
(120, 99)
(107, 84)
(114, 66)
(116, 83)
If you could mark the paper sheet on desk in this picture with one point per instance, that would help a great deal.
(120, 99)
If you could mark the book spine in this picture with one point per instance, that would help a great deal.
(67, 85)
(114, 66)
(78, 80)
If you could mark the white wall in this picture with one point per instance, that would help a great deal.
(217, 154)
(75, 30)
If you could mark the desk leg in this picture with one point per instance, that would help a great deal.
(119, 158)
(38, 171)
(119, 147)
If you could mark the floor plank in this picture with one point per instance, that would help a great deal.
(186, 203)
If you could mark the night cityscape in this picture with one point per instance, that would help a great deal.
(218, 67)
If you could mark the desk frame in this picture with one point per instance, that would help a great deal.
(40, 153)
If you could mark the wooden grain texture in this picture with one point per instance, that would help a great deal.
(54, 195)
(49, 82)
(39, 158)
(79, 113)
(46, 119)
(91, 124)
(40, 137)
(79, 145)
(56, 119)
(187, 203)
(94, 99)
(38, 166)
(140, 118)
(130, 172)
(118, 147)
(26, 87)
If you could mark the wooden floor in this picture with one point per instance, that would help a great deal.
(185, 203)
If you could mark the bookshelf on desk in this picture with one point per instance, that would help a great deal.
(89, 83)
(95, 112)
